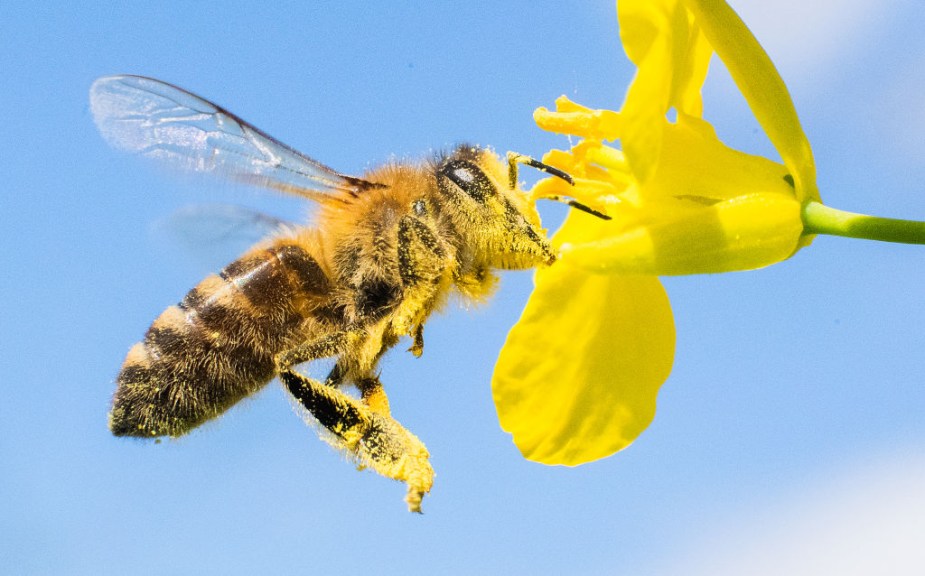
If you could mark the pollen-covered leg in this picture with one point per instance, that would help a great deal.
(422, 264)
(324, 348)
(373, 395)
(375, 439)
(417, 336)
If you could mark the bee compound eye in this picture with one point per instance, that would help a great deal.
(469, 178)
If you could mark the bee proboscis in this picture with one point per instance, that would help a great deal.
(387, 250)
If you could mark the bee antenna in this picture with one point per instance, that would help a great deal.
(514, 159)
(579, 206)
(534, 163)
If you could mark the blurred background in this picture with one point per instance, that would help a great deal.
(790, 438)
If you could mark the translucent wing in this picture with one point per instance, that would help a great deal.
(212, 233)
(161, 121)
(221, 225)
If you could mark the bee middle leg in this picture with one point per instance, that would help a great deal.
(364, 429)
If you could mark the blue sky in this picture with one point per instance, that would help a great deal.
(790, 437)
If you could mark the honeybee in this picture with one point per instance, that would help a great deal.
(387, 249)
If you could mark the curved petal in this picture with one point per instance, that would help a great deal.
(762, 86)
(647, 31)
(687, 98)
(672, 57)
(578, 376)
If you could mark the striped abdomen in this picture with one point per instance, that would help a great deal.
(217, 345)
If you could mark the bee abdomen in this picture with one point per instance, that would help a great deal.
(218, 344)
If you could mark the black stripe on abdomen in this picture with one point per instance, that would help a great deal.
(217, 345)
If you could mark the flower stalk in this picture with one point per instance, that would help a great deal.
(821, 219)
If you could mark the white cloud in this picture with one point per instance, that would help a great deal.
(806, 37)
(869, 519)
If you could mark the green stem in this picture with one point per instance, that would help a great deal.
(821, 219)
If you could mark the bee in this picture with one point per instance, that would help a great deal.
(386, 251)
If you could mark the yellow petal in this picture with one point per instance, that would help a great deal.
(646, 29)
(762, 86)
(697, 163)
(672, 57)
(578, 376)
(688, 99)
(680, 236)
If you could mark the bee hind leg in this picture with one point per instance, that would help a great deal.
(365, 430)
(371, 390)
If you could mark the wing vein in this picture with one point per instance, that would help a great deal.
(171, 125)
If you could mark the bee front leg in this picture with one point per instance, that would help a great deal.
(417, 345)
(422, 263)
(366, 432)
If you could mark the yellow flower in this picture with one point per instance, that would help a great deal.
(579, 374)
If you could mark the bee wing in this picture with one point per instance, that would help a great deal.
(221, 224)
(159, 120)
(211, 233)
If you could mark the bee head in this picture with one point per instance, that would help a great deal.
(496, 220)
